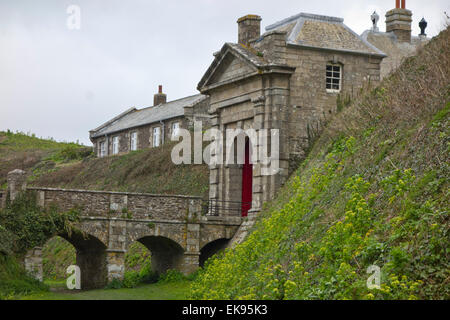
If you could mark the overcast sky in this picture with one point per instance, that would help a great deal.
(60, 83)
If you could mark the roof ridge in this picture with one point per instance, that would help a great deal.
(109, 122)
(172, 101)
(305, 16)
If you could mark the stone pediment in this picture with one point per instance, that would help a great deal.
(231, 67)
(232, 63)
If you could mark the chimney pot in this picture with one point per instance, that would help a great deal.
(249, 28)
(160, 89)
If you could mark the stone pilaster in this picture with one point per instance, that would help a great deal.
(115, 264)
(33, 263)
(190, 260)
(258, 124)
(115, 255)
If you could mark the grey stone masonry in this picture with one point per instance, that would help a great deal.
(173, 228)
(399, 22)
(16, 183)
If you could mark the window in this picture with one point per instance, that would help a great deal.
(115, 149)
(133, 141)
(156, 136)
(102, 149)
(175, 129)
(334, 77)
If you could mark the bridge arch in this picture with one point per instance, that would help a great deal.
(165, 253)
(211, 248)
(90, 257)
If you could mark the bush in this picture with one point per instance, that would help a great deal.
(131, 279)
(115, 284)
(14, 280)
(147, 275)
(172, 276)
(72, 152)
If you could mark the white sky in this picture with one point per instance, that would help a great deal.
(61, 83)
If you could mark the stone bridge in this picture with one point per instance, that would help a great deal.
(174, 228)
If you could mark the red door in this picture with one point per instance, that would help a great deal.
(247, 181)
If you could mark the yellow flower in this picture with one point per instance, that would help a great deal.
(370, 296)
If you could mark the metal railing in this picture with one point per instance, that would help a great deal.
(214, 207)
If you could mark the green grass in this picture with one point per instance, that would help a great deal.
(157, 291)
(14, 281)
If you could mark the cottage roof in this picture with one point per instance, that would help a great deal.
(323, 32)
(133, 117)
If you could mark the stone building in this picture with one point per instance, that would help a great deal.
(149, 127)
(397, 42)
(288, 79)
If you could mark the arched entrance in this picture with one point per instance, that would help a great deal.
(57, 255)
(211, 249)
(165, 253)
(247, 180)
(237, 191)
(90, 257)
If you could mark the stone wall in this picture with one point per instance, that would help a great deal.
(2, 199)
(396, 50)
(310, 104)
(121, 205)
(197, 112)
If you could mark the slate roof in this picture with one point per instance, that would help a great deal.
(323, 32)
(133, 117)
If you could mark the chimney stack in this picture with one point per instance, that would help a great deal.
(399, 21)
(160, 97)
(249, 28)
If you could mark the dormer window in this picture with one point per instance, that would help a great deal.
(334, 77)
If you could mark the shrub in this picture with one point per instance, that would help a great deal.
(131, 279)
(114, 284)
(172, 276)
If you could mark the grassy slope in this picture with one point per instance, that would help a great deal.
(149, 171)
(22, 151)
(373, 191)
(53, 164)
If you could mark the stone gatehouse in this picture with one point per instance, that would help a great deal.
(287, 79)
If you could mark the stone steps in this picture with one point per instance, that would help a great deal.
(243, 230)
